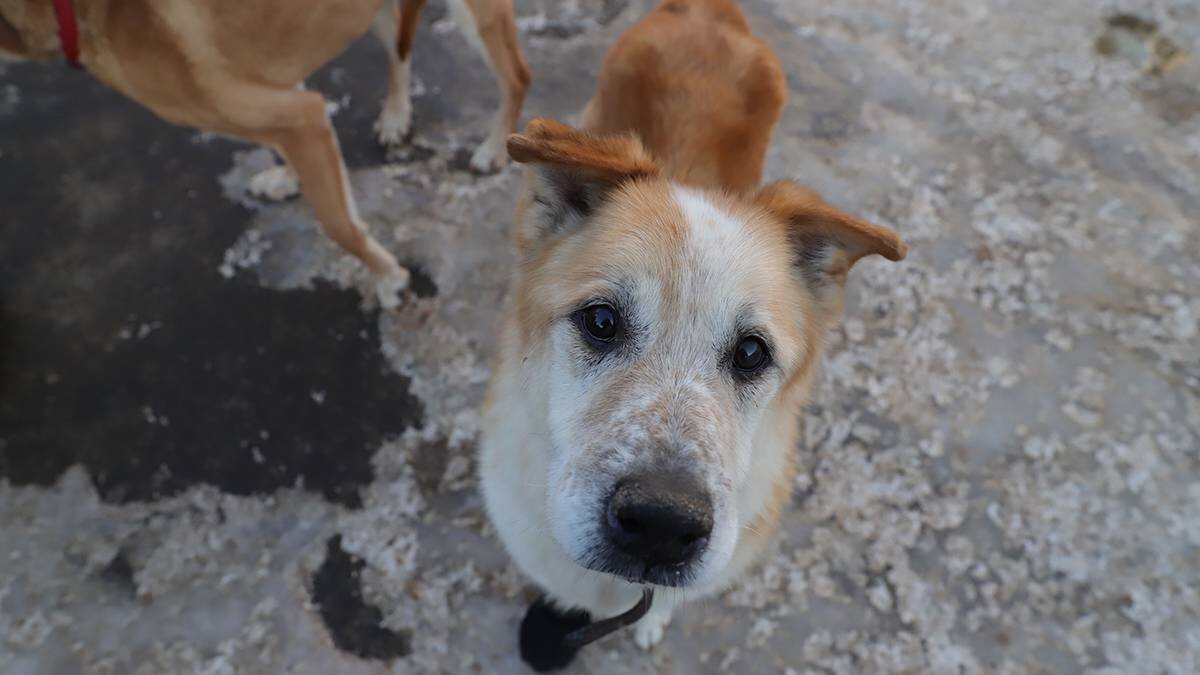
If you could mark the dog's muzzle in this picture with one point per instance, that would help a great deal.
(655, 526)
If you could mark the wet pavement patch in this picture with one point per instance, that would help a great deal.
(119, 574)
(421, 282)
(355, 626)
(245, 388)
(123, 349)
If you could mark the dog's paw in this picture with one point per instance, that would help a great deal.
(393, 126)
(276, 183)
(489, 157)
(390, 289)
(543, 631)
(648, 631)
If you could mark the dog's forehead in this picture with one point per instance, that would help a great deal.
(637, 233)
(738, 266)
(692, 260)
(666, 234)
(727, 250)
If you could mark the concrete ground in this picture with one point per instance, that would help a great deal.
(216, 456)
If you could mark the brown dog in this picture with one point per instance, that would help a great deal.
(667, 318)
(236, 67)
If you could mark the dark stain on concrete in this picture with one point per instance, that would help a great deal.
(119, 575)
(355, 626)
(123, 349)
(419, 281)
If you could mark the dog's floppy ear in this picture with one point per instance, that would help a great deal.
(571, 172)
(827, 242)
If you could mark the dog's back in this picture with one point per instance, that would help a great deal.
(699, 88)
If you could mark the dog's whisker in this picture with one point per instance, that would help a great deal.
(750, 528)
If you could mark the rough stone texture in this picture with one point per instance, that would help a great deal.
(1001, 458)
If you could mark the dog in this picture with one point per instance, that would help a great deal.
(665, 322)
(237, 67)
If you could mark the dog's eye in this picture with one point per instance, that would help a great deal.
(600, 324)
(750, 355)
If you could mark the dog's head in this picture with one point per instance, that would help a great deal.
(672, 331)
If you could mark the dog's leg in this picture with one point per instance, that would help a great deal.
(297, 124)
(491, 26)
(396, 25)
(312, 150)
(648, 631)
(277, 183)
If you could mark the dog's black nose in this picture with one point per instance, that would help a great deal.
(661, 519)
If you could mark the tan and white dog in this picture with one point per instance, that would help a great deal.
(666, 320)
(236, 67)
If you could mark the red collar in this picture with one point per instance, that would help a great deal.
(68, 30)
